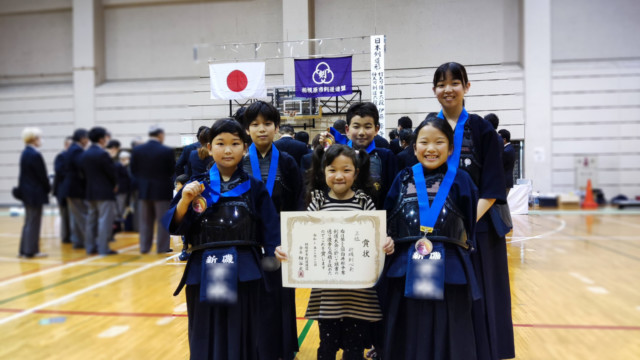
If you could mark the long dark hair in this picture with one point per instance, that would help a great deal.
(322, 158)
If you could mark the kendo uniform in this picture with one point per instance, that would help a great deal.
(481, 157)
(249, 220)
(279, 334)
(424, 328)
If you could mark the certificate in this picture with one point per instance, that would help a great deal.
(333, 249)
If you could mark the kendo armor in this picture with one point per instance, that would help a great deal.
(279, 188)
(229, 220)
(405, 216)
(375, 171)
(468, 161)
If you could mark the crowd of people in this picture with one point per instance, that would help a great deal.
(439, 184)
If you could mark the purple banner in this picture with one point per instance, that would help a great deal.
(323, 77)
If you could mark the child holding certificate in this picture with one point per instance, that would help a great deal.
(339, 181)
(431, 211)
(226, 216)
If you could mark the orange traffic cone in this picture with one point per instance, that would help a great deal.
(588, 202)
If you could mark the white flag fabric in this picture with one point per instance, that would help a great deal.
(234, 81)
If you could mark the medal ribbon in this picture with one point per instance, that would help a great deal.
(369, 148)
(429, 214)
(340, 139)
(454, 159)
(273, 167)
(212, 192)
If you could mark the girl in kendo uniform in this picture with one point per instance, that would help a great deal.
(430, 281)
(227, 217)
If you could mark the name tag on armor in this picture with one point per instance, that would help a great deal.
(219, 283)
(425, 274)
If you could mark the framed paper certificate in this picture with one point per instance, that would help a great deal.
(333, 249)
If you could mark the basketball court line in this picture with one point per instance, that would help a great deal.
(83, 291)
(67, 280)
(71, 263)
(563, 224)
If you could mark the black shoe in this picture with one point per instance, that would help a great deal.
(168, 251)
(66, 241)
(183, 256)
(111, 252)
(78, 246)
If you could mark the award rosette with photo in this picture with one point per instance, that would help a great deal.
(333, 249)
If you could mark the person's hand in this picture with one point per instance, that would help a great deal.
(281, 254)
(326, 139)
(389, 246)
(191, 190)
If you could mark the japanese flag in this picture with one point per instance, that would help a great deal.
(233, 81)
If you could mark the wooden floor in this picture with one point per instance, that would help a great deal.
(574, 280)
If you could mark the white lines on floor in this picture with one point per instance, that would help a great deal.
(114, 331)
(597, 289)
(561, 227)
(164, 320)
(180, 308)
(582, 278)
(82, 291)
(58, 268)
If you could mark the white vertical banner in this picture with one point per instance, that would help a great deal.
(378, 48)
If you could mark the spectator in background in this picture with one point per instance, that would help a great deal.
(123, 196)
(493, 120)
(181, 164)
(406, 157)
(288, 144)
(200, 159)
(152, 166)
(339, 125)
(33, 189)
(101, 186)
(74, 188)
(404, 123)
(303, 137)
(113, 147)
(508, 158)
(58, 180)
(134, 190)
(381, 142)
(305, 162)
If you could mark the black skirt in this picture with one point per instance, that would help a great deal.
(278, 326)
(492, 313)
(428, 329)
(222, 332)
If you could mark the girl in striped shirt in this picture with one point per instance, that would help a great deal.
(339, 181)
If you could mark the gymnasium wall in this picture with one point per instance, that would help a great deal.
(151, 78)
(596, 93)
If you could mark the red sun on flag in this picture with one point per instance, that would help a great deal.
(237, 81)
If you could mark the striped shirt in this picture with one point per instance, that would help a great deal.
(338, 303)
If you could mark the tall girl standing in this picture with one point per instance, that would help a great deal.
(339, 181)
(227, 216)
(481, 157)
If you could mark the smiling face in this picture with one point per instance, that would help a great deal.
(361, 131)
(339, 176)
(227, 150)
(450, 92)
(432, 147)
(262, 132)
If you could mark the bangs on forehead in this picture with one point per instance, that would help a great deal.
(457, 71)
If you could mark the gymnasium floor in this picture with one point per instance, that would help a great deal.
(574, 279)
